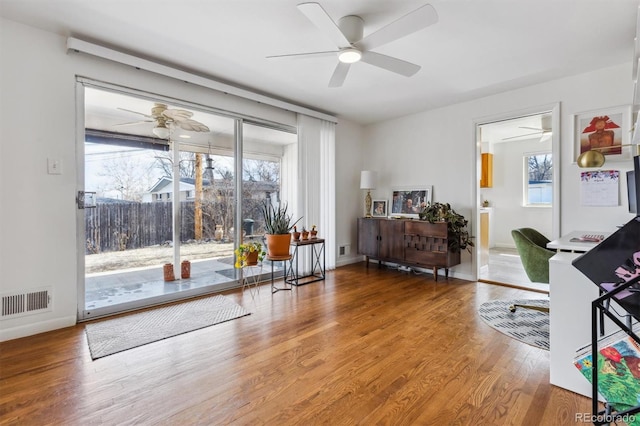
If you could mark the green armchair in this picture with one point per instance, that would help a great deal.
(534, 254)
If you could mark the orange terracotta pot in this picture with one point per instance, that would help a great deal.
(185, 269)
(168, 272)
(278, 245)
(252, 258)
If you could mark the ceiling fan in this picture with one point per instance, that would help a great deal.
(163, 116)
(352, 47)
(544, 131)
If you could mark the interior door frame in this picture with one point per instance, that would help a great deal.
(555, 151)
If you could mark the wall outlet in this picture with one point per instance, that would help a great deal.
(344, 250)
(54, 166)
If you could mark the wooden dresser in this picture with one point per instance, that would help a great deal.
(408, 242)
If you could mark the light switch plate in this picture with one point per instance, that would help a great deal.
(54, 166)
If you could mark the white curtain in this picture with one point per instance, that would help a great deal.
(289, 179)
(316, 180)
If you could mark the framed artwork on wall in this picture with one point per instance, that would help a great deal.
(408, 202)
(379, 208)
(605, 130)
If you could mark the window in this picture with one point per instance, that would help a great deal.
(538, 188)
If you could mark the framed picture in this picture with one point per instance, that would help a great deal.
(606, 130)
(379, 208)
(408, 202)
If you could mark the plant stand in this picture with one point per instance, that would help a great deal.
(287, 265)
(251, 278)
(317, 262)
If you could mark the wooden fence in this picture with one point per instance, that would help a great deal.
(124, 225)
(120, 226)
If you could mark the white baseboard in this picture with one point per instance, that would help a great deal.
(36, 328)
(343, 261)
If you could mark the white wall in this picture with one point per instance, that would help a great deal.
(438, 148)
(349, 198)
(38, 121)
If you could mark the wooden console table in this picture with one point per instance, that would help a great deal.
(408, 242)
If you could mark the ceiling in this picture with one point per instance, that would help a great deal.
(476, 48)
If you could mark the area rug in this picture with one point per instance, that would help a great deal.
(119, 334)
(526, 325)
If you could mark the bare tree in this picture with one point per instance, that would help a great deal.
(164, 162)
(127, 175)
(540, 167)
(260, 171)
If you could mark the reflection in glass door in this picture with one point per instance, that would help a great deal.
(264, 150)
(136, 161)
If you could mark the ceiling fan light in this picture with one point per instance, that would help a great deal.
(161, 131)
(349, 55)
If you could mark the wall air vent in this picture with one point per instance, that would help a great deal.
(16, 304)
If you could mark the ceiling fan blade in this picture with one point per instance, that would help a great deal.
(409, 23)
(304, 55)
(390, 64)
(192, 125)
(545, 136)
(132, 123)
(317, 15)
(177, 114)
(521, 136)
(136, 112)
(339, 74)
(533, 128)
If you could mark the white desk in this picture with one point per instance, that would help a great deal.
(564, 243)
(570, 297)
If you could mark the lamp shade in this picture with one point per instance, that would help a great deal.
(368, 179)
(590, 158)
(161, 131)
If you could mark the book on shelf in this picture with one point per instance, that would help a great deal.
(618, 364)
(615, 262)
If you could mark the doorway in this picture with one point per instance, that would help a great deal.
(518, 152)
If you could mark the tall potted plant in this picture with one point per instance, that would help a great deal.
(277, 225)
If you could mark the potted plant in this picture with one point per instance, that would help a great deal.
(456, 223)
(277, 225)
(248, 254)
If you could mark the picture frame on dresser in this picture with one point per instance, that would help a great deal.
(379, 208)
(409, 201)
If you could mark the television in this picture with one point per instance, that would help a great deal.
(633, 186)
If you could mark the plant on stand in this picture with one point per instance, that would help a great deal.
(278, 225)
(248, 254)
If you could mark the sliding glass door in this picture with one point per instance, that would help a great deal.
(161, 216)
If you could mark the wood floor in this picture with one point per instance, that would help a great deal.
(366, 346)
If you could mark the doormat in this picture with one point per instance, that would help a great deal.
(119, 334)
(526, 325)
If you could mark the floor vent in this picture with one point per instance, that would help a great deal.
(25, 303)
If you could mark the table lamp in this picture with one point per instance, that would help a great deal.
(368, 181)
